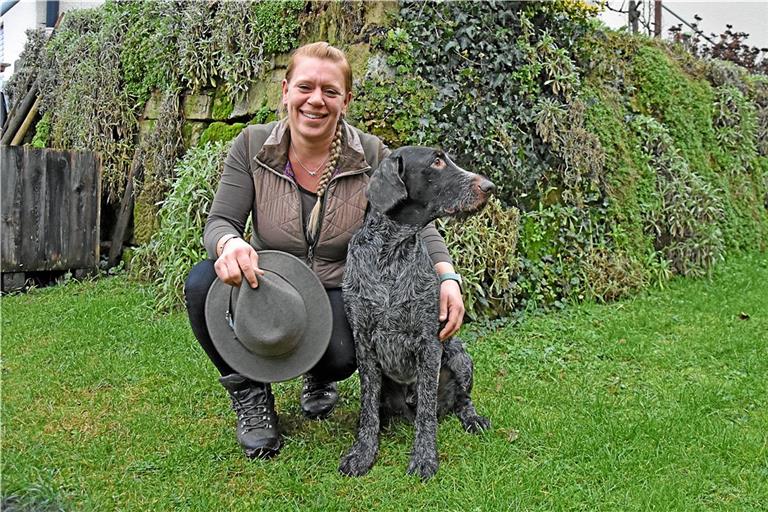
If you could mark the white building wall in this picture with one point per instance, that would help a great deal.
(23, 16)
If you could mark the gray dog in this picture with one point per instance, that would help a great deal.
(391, 292)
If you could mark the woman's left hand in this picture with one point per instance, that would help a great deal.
(451, 308)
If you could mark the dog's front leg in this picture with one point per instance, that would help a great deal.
(359, 460)
(424, 456)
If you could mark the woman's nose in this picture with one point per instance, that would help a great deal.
(316, 97)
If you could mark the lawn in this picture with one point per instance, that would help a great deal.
(659, 402)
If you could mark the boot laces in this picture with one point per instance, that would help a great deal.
(252, 409)
(312, 386)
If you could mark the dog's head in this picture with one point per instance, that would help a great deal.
(417, 184)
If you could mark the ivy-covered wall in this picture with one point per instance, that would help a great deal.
(620, 160)
(629, 160)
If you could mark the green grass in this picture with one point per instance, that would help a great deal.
(654, 403)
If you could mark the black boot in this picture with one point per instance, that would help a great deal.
(317, 398)
(256, 417)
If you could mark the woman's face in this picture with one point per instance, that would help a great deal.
(315, 98)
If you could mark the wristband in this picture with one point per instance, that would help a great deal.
(227, 239)
(450, 276)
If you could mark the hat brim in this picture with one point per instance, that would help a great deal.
(313, 342)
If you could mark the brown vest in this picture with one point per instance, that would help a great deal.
(277, 214)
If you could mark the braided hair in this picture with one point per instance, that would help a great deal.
(314, 217)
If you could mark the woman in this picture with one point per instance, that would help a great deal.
(302, 180)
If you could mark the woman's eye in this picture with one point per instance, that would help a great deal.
(304, 87)
(331, 92)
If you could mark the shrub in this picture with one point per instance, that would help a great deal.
(42, 132)
(483, 251)
(687, 224)
(177, 245)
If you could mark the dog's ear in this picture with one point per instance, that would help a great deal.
(386, 187)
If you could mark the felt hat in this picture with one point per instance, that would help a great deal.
(277, 331)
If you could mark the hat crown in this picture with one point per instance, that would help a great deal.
(269, 320)
(277, 331)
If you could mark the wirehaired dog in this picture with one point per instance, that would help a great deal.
(391, 293)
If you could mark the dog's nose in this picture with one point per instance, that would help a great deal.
(487, 186)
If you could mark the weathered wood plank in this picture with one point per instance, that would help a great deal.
(97, 214)
(51, 204)
(77, 207)
(32, 211)
(57, 222)
(85, 227)
(11, 185)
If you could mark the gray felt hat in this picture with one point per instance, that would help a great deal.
(277, 331)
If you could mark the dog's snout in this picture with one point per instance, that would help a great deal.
(484, 185)
(487, 186)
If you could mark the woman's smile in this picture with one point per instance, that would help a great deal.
(313, 115)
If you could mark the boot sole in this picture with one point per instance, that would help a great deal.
(319, 416)
(262, 453)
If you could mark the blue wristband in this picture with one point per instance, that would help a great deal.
(450, 276)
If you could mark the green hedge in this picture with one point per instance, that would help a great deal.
(620, 161)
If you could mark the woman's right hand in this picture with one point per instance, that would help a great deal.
(238, 259)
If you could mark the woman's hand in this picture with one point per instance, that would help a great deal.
(451, 308)
(238, 259)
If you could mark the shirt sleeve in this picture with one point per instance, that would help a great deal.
(233, 201)
(435, 243)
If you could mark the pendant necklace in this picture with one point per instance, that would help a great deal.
(306, 169)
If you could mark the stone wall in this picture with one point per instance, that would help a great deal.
(345, 24)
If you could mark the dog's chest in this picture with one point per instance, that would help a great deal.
(399, 288)
(396, 294)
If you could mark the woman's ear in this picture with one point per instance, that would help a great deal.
(285, 91)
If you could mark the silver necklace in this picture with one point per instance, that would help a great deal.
(306, 169)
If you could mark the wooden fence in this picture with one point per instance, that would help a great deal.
(51, 203)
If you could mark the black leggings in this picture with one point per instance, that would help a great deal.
(338, 362)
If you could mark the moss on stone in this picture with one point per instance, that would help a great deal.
(358, 55)
(191, 132)
(145, 220)
(265, 114)
(222, 105)
(219, 131)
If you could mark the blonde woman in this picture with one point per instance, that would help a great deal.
(302, 180)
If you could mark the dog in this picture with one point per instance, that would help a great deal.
(391, 295)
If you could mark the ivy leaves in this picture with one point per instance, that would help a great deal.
(490, 62)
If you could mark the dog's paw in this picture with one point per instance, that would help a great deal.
(476, 424)
(424, 467)
(357, 462)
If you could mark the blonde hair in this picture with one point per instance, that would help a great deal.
(313, 223)
(322, 50)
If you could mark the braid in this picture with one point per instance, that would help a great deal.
(322, 185)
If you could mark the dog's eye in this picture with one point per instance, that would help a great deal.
(438, 163)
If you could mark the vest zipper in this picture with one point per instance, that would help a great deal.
(311, 247)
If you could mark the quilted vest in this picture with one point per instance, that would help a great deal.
(277, 214)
